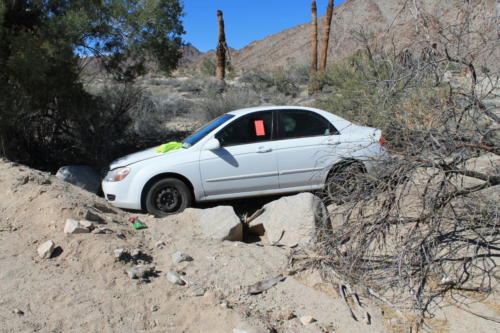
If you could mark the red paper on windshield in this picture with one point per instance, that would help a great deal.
(259, 128)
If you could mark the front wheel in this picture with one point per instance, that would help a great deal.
(167, 196)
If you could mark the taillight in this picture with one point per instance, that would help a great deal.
(381, 141)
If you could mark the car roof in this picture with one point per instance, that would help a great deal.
(245, 111)
(242, 112)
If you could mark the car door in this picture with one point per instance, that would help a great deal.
(246, 160)
(305, 148)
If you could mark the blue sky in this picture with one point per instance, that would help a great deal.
(246, 20)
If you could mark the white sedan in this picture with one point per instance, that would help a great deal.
(245, 153)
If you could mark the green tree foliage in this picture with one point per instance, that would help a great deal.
(207, 67)
(42, 102)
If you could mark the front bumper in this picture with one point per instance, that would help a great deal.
(123, 197)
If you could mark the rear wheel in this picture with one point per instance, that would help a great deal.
(343, 182)
(167, 196)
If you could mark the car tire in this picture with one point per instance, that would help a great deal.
(167, 196)
(343, 182)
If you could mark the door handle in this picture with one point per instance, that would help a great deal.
(264, 150)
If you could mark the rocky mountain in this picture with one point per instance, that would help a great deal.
(403, 24)
(190, 55)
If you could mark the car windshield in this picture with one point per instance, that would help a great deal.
(202, 132)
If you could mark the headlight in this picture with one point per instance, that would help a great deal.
(116, 175)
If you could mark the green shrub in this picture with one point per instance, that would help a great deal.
(207, 67)
(381, 93)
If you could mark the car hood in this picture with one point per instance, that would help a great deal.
(141, 156)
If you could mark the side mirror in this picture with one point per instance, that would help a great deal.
(212, 144)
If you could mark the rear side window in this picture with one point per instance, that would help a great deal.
(300, 123)
(254, 127)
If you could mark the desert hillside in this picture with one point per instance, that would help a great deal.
(400, 24)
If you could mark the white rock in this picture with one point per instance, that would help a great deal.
(118, 253)
(179, 257)
(18, 312)
(101, 230)
(306, 320)
(198, 292)
(175, 279)
(73, 227)
(239, 330)
(46, 249)
(292, 220)
(221, 223)
(160, 244)
(446, 280)
(81, 176)
(135, 253)
(86, 224)
(140, 271)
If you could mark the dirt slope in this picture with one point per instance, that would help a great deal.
(85, 288)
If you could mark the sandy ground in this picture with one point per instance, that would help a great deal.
(85, 288)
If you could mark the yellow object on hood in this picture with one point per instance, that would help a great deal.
(165, 148)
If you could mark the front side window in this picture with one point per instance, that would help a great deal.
(299, 123)
(254, 127)
(202, 132)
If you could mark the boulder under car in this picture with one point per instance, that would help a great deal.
(244, 153)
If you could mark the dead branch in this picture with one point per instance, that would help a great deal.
(431, 215)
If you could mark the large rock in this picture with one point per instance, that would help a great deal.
(74, 227)
(81, 176)
(221, 223)
(46, 249)
(487, 163)
(293, 220)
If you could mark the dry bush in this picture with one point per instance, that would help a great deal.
(215, 103)
(285, 82)
(254, 88)
(153, 111)
(429, 227)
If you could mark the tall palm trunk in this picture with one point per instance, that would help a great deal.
(314, 37)
(326, 35)
(220, 71)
